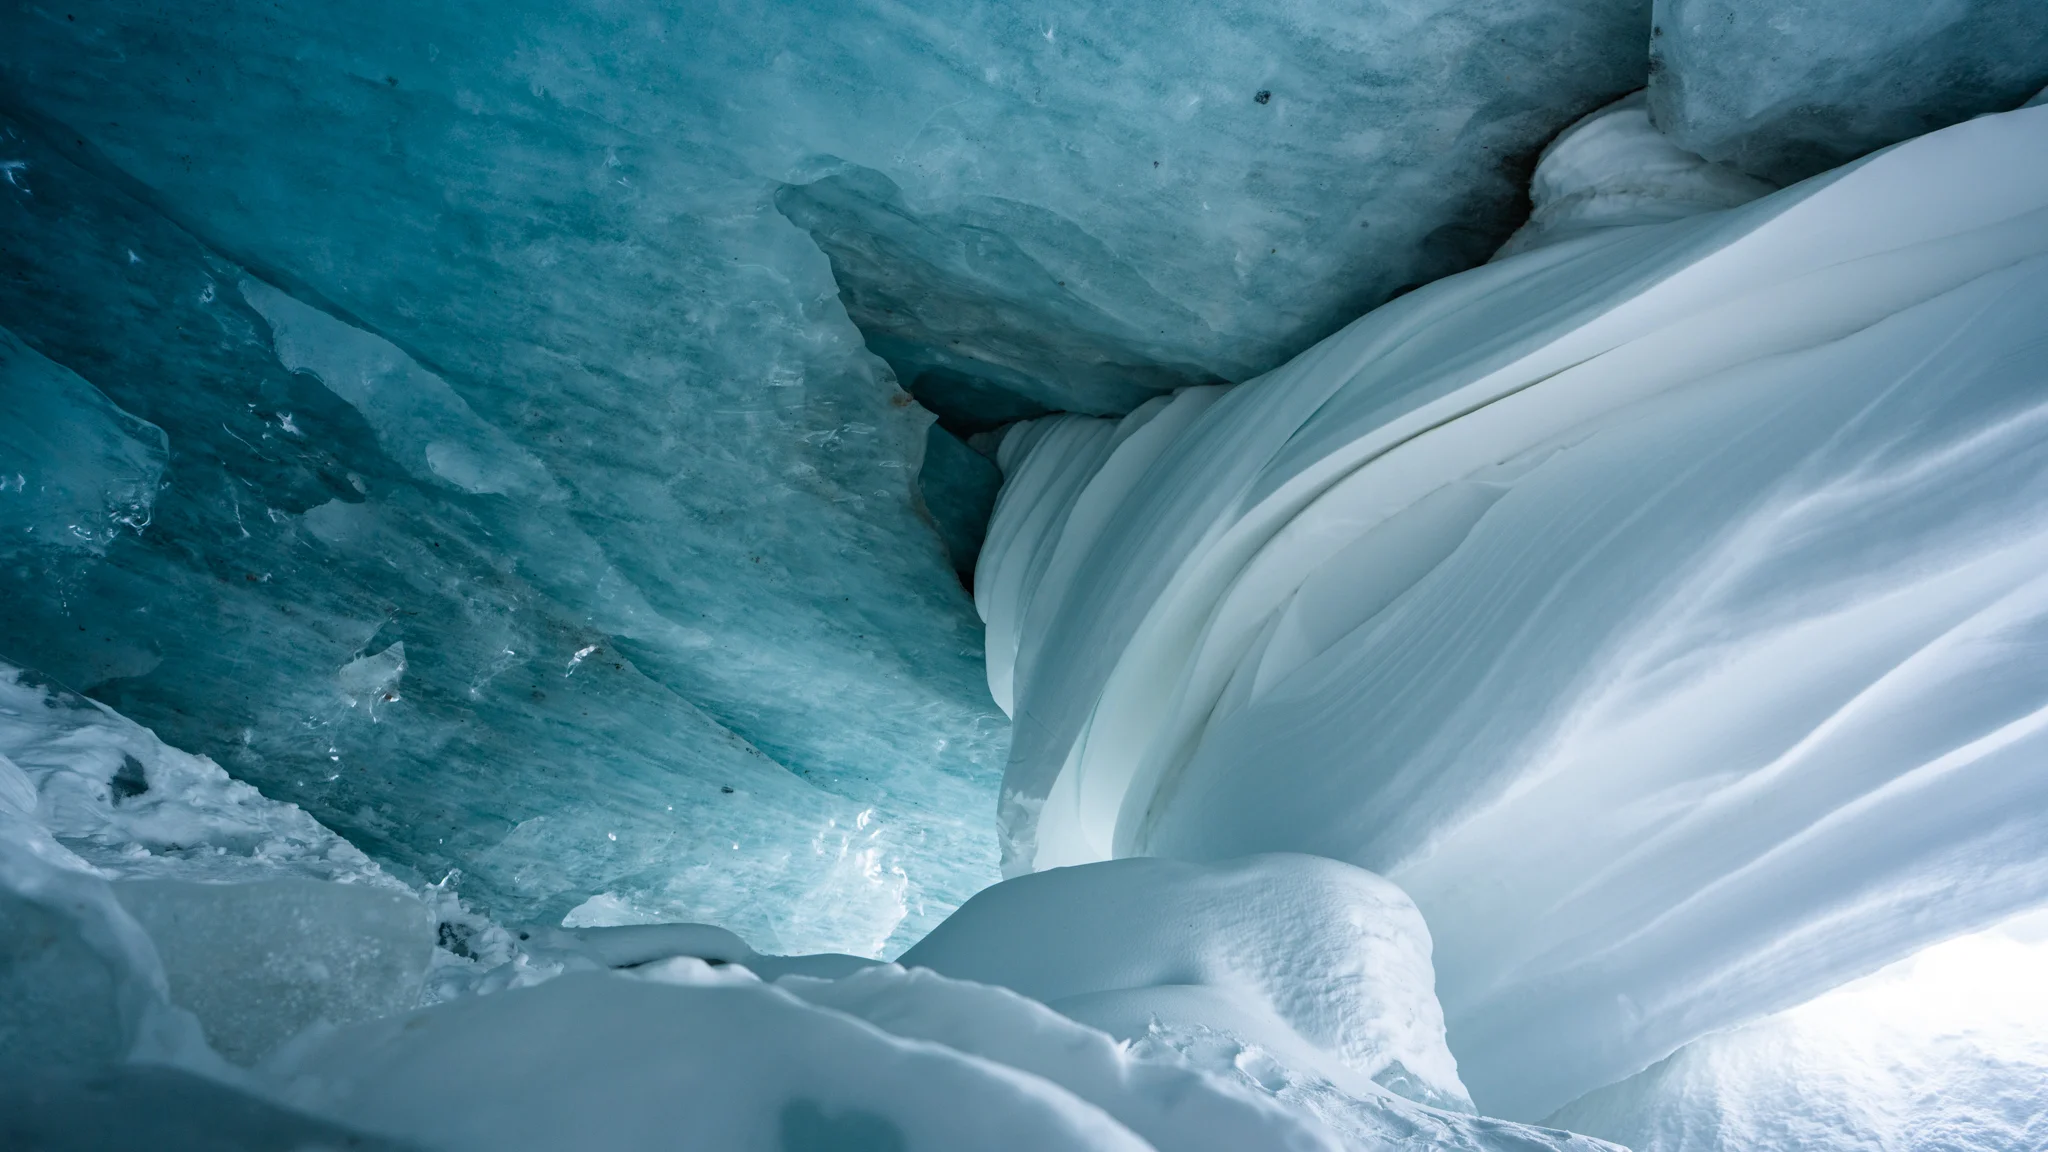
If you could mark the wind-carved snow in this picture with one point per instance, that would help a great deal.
(1656, 607)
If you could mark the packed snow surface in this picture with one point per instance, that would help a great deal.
(1659, 608)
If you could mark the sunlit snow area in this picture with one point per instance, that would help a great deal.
(1441, 577)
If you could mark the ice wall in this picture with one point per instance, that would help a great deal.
(292, 519)
(1787, 90)
(1657, 607)
(537, 340)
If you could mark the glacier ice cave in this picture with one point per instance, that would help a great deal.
(1328, 575)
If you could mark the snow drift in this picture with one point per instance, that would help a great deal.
(1660, 607)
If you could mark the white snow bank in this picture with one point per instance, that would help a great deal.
(1659, 608)
(1169, 1104)
(711, 1060)
(1298, 979)
(1322, 963)
(1614, 169)
(1943, 1052)
(134, 807)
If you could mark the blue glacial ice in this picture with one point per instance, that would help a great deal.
(575, 352)
(335, 525)
(1816, 83)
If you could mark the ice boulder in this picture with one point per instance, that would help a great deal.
(1792, 89)
(81, 985)
(1318, 961)
(259, 962)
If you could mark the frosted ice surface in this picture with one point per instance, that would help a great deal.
(1821, 82)
(59, 999)
(1469, 593)
(118, 799)
(1168, 1104)
(1944, 1051)
(259, 962)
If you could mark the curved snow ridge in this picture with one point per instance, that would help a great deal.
(1653, 606)
(1614, 169)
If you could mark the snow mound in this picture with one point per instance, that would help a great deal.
(1310, 958)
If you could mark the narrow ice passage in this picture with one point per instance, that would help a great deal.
(1662, 607)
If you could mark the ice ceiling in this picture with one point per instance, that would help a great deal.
(544, 343)
(553, 447)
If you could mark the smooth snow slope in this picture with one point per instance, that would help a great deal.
(1659, 608)
(1942, 1052)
